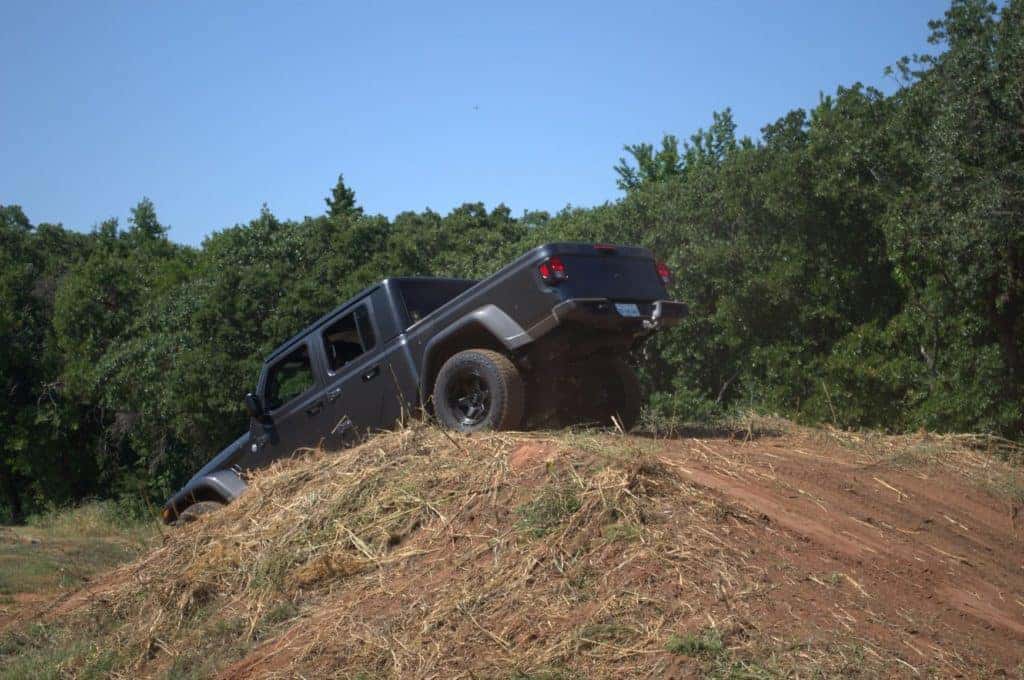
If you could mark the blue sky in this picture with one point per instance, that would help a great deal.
(211, 109)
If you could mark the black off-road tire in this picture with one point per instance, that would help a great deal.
(479, 389)
(197, 510)
(604, 388)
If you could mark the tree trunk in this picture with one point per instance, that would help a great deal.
(9, 493)
(1006, 312)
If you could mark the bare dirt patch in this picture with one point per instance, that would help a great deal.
(917, 557)
(528, 454)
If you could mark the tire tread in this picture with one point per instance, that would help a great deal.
(509, 379)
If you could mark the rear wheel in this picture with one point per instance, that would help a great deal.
(197, 510)
(479, 389)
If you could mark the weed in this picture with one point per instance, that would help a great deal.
(923, 453)
(580, 584)
(739, 670)
(14, 642)
(281, 612)
(91, 519)
(100, 663)
(621, 531)
(228, 628)
(541, 515)
(207, 654)
(554, 673)
(593, 633)
(1008, 488)
(45, 651)
(707, 644)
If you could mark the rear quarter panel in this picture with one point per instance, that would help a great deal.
(628, 273)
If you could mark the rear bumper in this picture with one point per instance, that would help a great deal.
(605, 314)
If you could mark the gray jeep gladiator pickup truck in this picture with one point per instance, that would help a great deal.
(544, 335)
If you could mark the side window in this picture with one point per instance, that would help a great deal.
(290, 377)
(348, 337)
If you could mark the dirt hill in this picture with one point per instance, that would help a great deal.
(776, 551)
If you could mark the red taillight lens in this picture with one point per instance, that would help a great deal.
(664, 273)
(552, 270)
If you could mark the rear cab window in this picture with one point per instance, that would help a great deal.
(348, 338)
(289, 378)
(423, 297)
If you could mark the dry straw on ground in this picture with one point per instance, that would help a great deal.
(493, 554)
(420, 554)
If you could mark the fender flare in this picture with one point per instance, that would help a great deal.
(222, 485)
(489, 318)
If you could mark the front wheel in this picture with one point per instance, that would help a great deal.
(197, 510)
(479, 390)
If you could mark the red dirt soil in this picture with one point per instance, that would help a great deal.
(919, 563)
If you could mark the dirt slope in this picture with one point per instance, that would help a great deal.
(784, 552)
(913, 553)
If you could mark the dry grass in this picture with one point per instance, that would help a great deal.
(502, 555)
(418, 551)
(64, 548)
(993, 463)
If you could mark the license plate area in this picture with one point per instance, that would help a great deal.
(628, 309)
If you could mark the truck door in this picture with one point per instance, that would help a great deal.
(294, 400)
(360, 393)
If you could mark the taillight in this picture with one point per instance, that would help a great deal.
(664, 273)
(552, 270)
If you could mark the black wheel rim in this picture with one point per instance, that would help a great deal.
(469, 398)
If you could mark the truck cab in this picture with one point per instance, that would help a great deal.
(346, 375)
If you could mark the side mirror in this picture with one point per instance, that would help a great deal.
(254, 405)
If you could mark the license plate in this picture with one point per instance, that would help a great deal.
(627, 309)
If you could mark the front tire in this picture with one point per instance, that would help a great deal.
(479, 389)
(197, 510)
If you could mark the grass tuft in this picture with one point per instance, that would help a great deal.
(542, 515)
(706, 644)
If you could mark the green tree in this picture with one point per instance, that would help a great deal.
(956, 231)
(342, 201)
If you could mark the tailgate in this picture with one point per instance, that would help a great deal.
(613, 272)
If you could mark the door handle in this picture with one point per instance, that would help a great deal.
(333, 394)
(315, 408)
(371, 374)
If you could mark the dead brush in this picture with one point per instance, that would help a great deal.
(329, 522)
(415, 554)
(321, 517)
